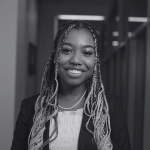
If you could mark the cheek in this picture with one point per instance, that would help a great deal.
(90, 64)
(63, 59)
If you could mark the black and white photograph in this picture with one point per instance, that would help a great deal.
(75, 74)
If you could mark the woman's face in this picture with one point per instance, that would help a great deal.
(76, 58)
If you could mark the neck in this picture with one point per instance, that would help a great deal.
(71, 93)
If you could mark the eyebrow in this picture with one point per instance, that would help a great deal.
(85, 46)
(65, 43)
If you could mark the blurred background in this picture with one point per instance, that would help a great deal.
(27, 31)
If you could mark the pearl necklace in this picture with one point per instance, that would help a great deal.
(74, 104)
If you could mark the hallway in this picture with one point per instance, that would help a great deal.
(28, 28)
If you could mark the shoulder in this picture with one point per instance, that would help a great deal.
(30, 101)
(24, 123)
(28, 104)
(112, 101)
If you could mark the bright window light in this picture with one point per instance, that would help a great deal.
(137, 19)
(81, 17)
(115, 43)
(117, 18)
(115, 33)
(129, 34)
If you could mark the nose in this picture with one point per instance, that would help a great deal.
(76, 58)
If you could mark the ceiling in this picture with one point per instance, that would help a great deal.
(136, 7)
(81, 2)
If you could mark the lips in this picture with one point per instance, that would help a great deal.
(74, 73)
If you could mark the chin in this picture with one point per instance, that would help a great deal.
(74, 83)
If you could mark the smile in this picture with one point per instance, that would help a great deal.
(75, 73)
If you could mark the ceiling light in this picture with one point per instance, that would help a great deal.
(134, 19)
(81, 17)
(137, 19)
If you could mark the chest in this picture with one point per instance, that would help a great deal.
(84, 139)
(69, 124)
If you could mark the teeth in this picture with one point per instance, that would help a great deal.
(75, 71)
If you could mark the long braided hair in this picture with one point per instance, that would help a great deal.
(95, 106)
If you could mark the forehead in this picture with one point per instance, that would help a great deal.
(78, 36)
(80, 33)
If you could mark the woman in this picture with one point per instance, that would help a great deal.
(72, 111)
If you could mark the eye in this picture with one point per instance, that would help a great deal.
(66, 51)
(88, 53)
